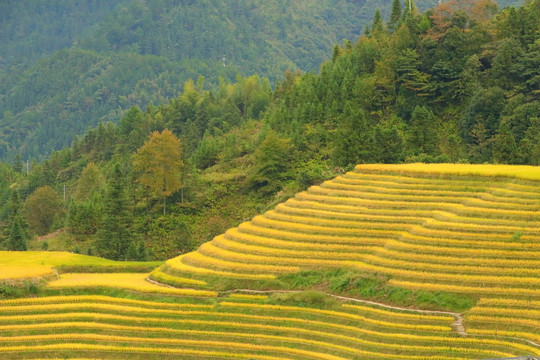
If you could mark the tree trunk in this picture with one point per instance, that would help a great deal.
(164, 206)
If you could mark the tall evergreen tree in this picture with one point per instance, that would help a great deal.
(422, 137)
(114, 237)
(272, 164)
(395, 16)
(505, 147)
(377, 26)
(17, 238)
(353, 141)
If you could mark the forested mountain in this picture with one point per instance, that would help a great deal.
(65, 65)
(457, 83)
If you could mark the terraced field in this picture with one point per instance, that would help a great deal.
(453, 228)
(101, 327)
(472, 230)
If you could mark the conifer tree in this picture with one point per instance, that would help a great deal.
(114, 238)
(17, 239)
(505, 147)
(272, 164)
(423, 132)
(395, 16)
(353, 141)
(377, 26)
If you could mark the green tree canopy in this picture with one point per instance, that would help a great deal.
(41, 209)
(90, 183)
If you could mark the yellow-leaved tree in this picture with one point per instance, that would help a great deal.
(158, 164)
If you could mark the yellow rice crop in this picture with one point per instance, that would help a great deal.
(502, 320)
(240, 260)
(235, 235)
(167, 341)
(459, 259)
(23, 271)
(510, 302)
(415, 199)
(506, 312)
(491, 290)
(513, 171)
(416, 263)
(506, 333)
(416, 214)
(418, 316)
(107, 307)
(481, 199)
(57, 258)
(248, 296)
(386, 347)
(298, 256)
(125, 349)
(481, 228)
(488, 243)
(398, 190)
(97, 299)
(176, 280)
(364, 225)
(128, 281)
(421, 230)
(340, 215)
(339, 315)
(303, 237)
(255, 325)
(185, 342)
(454, 207)
(286, 225)
(210, 256)
(178, 264)
(471, 252)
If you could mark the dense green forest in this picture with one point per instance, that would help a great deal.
(65, 65)
(459, 83)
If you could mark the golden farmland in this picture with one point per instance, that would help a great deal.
(470, 232)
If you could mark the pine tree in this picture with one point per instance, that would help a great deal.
(505, 147)
(17, 239)
(395, 16)
(423, 137)
(353, 140)
(271, 165)
(114, 238)
(377, 26)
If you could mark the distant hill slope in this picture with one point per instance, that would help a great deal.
(65, 66)
(466, 229)
(62, 71)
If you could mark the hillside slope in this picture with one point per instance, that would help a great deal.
(466, 229)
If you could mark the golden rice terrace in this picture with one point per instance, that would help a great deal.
(471, 231)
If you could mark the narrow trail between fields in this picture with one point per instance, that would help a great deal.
(457, 325)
